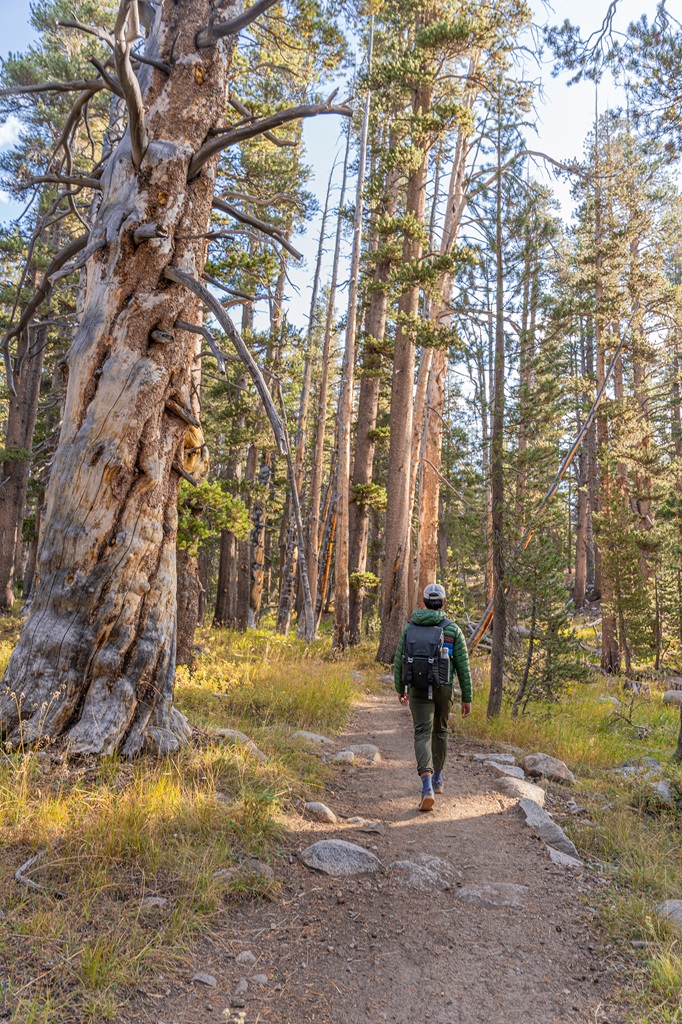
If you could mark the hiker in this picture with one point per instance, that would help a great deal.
(430, 650)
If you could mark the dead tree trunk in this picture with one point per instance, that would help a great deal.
(96, 658)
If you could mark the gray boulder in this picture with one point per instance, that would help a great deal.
(506, 770)
(671, 910)
(659, 794)
(673, 696)
(318, 811)
(340, 859)
(502, 894)
(544, 828)
(522, 789)
(539, 765)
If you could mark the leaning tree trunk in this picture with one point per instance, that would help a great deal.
(96, 658)
(21, 421)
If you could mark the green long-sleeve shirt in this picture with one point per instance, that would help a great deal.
(459, 662)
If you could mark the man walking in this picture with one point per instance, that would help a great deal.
(430, 650)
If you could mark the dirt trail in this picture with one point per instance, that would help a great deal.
(370, 949)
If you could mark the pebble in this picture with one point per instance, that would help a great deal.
(242, 987)
(320, 812)
(246, 957)
(259, 979)
(205, 979)
(357, 676)
(258, 867)
(154, 901)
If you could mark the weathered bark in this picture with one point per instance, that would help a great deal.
(188, 590)
(341, 637)
(226, 597)
(21, 421)
(101, 631)
(395, 595)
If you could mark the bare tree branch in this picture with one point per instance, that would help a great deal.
(41, 293)
(179, 277)
(208, 36)
(265, 124)
(256, 222)
(246, 113)
(61, 179)
(113, 85)
(126, 31)
(91, 30)
(75, 86)
(183, 325)
(78, 264)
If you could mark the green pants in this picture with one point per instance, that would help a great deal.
(430, 719)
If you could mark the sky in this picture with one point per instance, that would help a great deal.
(564, 117)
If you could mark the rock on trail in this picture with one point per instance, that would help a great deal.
(521, 789)
(499, 894)
(539, 821)
(339, 858)
(539, 765)
(318, 811)
(506, 770)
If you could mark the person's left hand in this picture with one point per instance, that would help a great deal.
(404, 699)
(466, 710)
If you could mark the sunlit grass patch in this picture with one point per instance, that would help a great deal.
(138, 859)
(634, 841)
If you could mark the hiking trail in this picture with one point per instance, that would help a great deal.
(509, 942)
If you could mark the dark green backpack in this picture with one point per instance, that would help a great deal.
(426, 660)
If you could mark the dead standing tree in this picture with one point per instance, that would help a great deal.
(95, 662)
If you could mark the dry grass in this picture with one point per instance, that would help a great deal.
(114, 834)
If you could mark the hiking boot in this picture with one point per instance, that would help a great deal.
(437, 781)
(427, 801)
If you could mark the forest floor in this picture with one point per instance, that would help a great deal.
(371, 949)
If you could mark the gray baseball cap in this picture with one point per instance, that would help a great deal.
(434, 592)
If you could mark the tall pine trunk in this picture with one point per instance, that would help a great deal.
(395, 579)
(21, 421)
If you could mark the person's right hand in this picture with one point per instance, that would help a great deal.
(466, 710)
(404, 699)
